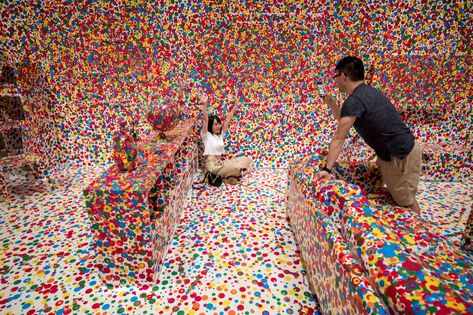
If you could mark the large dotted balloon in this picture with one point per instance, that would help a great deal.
(163, 117)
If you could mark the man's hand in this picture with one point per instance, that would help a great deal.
(332, 104)
(323, 175)
(328, 99)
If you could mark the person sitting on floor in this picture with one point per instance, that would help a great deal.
(212, 133)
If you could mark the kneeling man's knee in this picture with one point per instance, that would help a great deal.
(403, 199)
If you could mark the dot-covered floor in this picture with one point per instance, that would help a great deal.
(233, 253)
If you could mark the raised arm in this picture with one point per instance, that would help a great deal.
(332, 104)
(205, 115)
(230, 115)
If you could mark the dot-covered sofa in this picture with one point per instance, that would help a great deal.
(364, 257)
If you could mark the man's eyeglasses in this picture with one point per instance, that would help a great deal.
(337, 75)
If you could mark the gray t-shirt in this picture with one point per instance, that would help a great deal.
(378, 122)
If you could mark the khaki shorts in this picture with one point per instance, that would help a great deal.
(402, 176)
(228, 168)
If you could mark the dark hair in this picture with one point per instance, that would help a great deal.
(212, 118)
(352, 67)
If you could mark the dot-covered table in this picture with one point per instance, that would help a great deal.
(134, 214)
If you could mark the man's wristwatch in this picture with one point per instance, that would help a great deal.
(327, 170)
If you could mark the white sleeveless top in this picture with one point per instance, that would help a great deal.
(213, 144)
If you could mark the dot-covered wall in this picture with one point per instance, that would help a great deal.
(98, 60)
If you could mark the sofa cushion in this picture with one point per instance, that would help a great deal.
(400, 272)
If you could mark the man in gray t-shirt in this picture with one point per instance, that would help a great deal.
(377, 121)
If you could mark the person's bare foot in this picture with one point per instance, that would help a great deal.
(244, 171)
(231, 180)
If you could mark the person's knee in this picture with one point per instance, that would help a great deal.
(247, 162)
(403, 199)
(403, 190)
